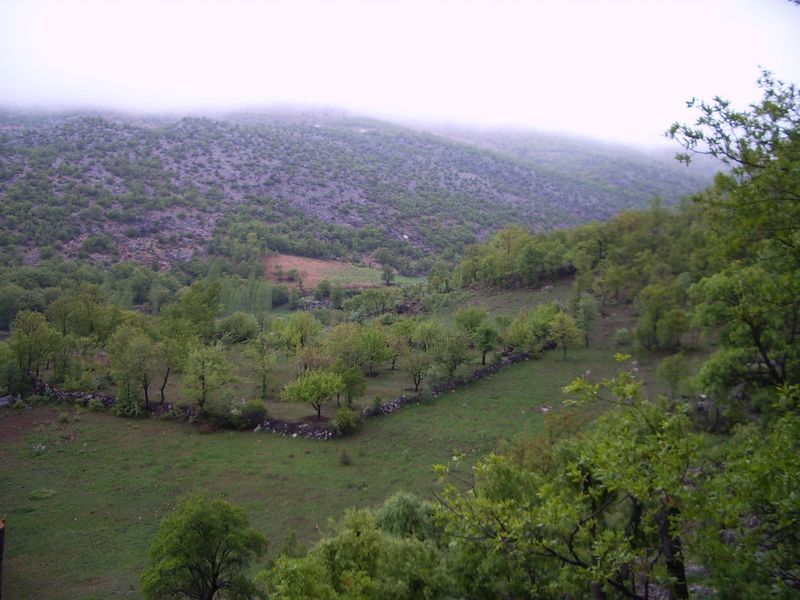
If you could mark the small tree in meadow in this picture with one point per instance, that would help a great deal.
(565, 332)
(314, 388)
(202, 551)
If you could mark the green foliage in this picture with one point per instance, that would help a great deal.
(253, 412)
(470, 317)
(451, 352)
(353, 383)
(31, 341)
(565, 332)
(345, 421)
(622, 337)
(599, 512)
(202, 550)
(485, 337)
(237, 327)
(360, 561)
(404, 515)
(672, 370)
(748, 518)
(207, 371)
(133, 362)
(198, 304)
(314, 388)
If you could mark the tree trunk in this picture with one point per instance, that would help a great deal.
(164, 384)
(146, 389)
(264, 387)
(673, 551)
(483, 359)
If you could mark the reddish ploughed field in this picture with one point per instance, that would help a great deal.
(312, 270)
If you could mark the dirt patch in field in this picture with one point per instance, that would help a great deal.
(17, 423)
(311, 270)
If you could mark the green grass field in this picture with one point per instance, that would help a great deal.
(83, 498)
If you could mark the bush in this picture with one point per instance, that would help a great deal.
(622, 337)
(127, 407)
(323, 290)
(344, 459)
(280, 295)
(95, 405)
(345, 421)
(254, 412)
(238, 327)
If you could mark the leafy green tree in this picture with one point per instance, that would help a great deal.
(755, 216)
(451, 352)
(31, 341)
(585, 315)
(133, 362)
(342, 342)
(202, 551)
(359, 560)
(470, 317)
(199, 304)
(372, 347)
(540, 320)
(176, 338)
(300, 329)
(415, 363)
(207, 371)
(322, 290)
(387, 275)
(672, 370)
(337, 296)
(671, 327)
(654, 302)
(353, 383)
(262, 355)
(485, 338)
(11, 302)
(598, 515)
(747, 513)
(237, 327)
(314, 388)
(565, 332)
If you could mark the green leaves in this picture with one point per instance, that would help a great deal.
(201, 549)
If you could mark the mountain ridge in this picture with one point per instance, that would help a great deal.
(162, 189)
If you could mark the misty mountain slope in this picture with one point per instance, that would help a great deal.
(159, 190)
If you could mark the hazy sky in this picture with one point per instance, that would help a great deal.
(614, 69)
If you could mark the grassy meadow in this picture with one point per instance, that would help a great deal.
(83, 493)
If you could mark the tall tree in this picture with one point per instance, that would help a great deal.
(207, 370)
(314, 388)
(565, 332)
(202, 551)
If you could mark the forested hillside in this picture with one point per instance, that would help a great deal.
(159, 190)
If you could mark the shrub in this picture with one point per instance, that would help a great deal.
(344, 459)
(238, 327)
(127, 407)
(63, 417)
(345, 421)
(280, 295)
(622, 337)
(95, 405)
(254, 412)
